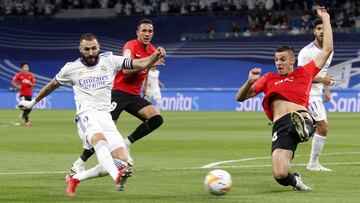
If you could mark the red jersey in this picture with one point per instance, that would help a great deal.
(293, 87)
(22, 79)
(132, 83)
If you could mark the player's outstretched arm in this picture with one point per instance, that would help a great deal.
(46, 90)
(156, 59)
(246, 90)
(321, 58)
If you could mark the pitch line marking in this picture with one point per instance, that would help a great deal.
(159, 169)
(216, 164)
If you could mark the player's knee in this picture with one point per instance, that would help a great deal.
(120, 154)
(155, 122)
(96, 138)
(322, 128)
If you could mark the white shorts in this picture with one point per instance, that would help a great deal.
(317, 109)
(91, 122)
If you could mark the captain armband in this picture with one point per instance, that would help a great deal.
(127, 64)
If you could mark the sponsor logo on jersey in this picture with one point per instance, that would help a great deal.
(290, 79)
(93, 82)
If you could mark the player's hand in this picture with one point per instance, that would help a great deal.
(160, 62)
(160, 52)
(328, 80)
(254, 74)
(322, 12)
(24, 104)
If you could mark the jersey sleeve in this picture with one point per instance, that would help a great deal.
(15, 78)
(311, 68)
(260, 84)
(120, 62)
(33, 80)
(63, 75)
(128, 50)
(303, 58)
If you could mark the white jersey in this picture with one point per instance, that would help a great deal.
(306, 54)
(153, 80)
(92, 84)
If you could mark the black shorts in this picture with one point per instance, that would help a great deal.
(129, 102)
(26, 97)
(284, 135)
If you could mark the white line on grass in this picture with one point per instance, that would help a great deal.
(159, 169)
(211, 165)
(216, 164)
(10, 124)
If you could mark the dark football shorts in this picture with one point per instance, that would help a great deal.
(129, 102)
(284, 135)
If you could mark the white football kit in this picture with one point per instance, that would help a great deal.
(92, 93)
(316, 106)
(153, 88)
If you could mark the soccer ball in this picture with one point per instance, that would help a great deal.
(218, 182)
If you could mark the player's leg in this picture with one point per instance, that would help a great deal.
(119, 153)
(119, 157)
(281, 166)
(146, 112)
(26, 112)
(284, 144)
(79, 164)
(317, 110)
(116, 108)
(91, 130)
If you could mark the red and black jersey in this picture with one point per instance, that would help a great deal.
(294, 87)
(131, 83)
(22, 79)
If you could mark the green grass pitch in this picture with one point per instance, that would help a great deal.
(168, 162)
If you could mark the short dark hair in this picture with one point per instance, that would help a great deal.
(285, 48)
(317, 21)
(24, 63)
(145, 20)
(87, 37)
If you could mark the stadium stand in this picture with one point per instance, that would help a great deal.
(197, 59)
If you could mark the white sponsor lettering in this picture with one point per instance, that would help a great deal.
(179, 103)
(291, 79)
(344, 104)
(252, 104)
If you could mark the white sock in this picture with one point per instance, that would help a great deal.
(105, 159)
(127, 142)
(79, 161)
(94, 172)
(317, 146)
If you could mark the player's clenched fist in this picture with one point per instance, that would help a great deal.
(254, 74)
(160, 52)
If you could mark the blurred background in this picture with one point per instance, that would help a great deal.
(211, 44)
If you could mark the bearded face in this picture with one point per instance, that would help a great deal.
(89, 51)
